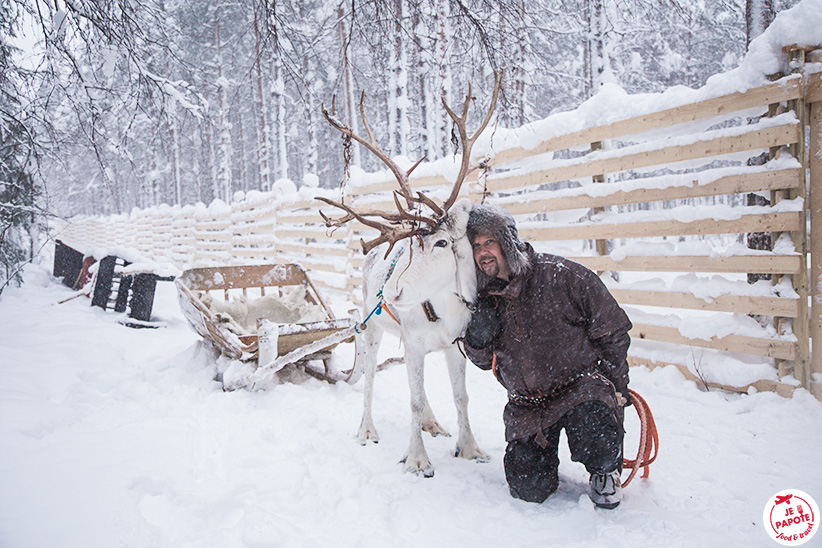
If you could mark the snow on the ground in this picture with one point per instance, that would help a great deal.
(112, 436)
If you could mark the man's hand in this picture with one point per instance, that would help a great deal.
(623, 396)
(485, 325)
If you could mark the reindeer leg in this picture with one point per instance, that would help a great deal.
(416, 459)
(429, 421)
(467, 447)
(367, 357)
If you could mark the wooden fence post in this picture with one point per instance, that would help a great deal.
(813, 100)
(802, 365)
(601, 246)
(799, 324)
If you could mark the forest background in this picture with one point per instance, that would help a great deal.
(108, 106)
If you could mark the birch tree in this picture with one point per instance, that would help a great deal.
(758, 16)
(222, 181)
(398, 84)
(439, 125)
(349, 102)
(262, 134)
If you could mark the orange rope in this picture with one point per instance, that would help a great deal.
(648, 440)
(385, 307)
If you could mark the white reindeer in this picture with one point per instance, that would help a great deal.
(419, 289)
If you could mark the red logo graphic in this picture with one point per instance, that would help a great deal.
(791, 517)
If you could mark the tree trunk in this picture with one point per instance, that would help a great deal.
(278, 93)
(398, 84)
(419, 143)
(595, 53)
(309, 147)
(261, 131)
(223, 182)
(349, 101)
(176, 167)
(759, 14)
(520, 70)
(442, 127)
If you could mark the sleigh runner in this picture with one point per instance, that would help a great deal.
(269, 314)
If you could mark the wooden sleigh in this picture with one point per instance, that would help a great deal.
(296, 344)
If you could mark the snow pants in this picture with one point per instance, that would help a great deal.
(594, 438)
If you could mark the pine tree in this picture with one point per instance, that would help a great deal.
(19, 212)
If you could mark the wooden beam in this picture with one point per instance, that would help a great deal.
(815, 237)
(625, 159)
(306, 219)
(388, 202)
(252, 228)
(300, 204)
(784, 390)
(771, 348)
(313, 249)
(769, 222)
(254, 215)
(766, 264)
(784, 90)
(305, 232)
(739, 304)
(388, 185)
(261, 252)
(310, 264)
(206, 235)
(733, 184)
(814, 94)
(212, 224)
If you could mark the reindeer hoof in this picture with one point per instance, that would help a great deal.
(367, 432)
(368, 436)
(435, 429)
(366, 441)
(475, 454)
(426, 472)
(418, 468)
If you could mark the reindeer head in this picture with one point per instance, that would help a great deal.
(429, 263)
(411, 220)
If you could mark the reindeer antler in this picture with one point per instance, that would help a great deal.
(406, 222)
(468, 142)
(371, 144)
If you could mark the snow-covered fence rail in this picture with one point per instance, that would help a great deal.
(258, 228)
(654, 194)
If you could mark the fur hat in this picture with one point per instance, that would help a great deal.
(495, 221)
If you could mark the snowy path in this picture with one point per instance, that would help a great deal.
(111, 436)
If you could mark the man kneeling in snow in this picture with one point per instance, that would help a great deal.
(557, 340)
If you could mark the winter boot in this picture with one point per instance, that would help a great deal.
(606, 489)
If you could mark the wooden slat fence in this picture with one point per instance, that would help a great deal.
(663, 193)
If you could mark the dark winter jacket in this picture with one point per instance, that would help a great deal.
(564, 341)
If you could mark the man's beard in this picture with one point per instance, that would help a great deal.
(490, 268)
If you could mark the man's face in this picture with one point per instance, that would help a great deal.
(488, 256)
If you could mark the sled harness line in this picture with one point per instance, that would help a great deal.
(648, 439)
(381, 303)
(360, 327)
(648, 435)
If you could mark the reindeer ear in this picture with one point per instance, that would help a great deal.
(459, 216)
(463, 203)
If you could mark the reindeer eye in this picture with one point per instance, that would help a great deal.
(440, 243)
